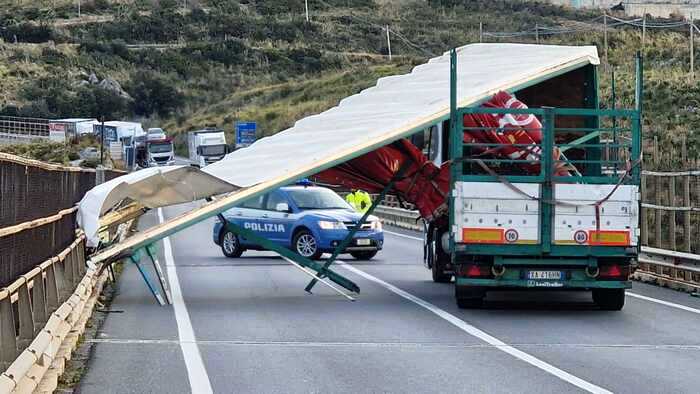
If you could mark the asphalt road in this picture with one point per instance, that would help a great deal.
(246, 325)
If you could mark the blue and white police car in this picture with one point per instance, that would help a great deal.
(310, 220)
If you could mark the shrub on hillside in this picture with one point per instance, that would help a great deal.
(27, 32)
(116, 48)
(55, 97)
(154, 94)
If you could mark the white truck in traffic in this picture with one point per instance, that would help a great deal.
(206, 146)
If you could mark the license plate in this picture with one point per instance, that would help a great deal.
(364, 242)
(546, 275)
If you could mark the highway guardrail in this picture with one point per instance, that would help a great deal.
(40, 315)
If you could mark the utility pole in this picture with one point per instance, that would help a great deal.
(102, 140)
(644, 30)
(537, 33)
(692, 48)
(388, 41)
(481, 32)
(78, 8)
(306, 5)
(605, 35)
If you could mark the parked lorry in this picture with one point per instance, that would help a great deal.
(206, 146)
(518, 222)
(160, 152)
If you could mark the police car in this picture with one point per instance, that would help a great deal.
(308, 219)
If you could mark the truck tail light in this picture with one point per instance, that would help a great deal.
(614, 271)
(476, 271)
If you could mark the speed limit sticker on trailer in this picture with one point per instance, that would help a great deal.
(511, 235)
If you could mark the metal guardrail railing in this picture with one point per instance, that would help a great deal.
(678, 270)
(44, 312)
(27, 304)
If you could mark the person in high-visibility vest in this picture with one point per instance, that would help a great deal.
(359, 200)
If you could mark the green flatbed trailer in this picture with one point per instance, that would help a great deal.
(514, 231)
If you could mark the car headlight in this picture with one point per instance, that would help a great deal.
(327, 225)
(376, 224)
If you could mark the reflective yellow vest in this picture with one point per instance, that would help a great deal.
(360, 200)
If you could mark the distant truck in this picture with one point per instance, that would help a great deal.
(206, 146)
(160, 152)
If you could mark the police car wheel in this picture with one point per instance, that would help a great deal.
(305, 244)
(230, 245)
(366, 255)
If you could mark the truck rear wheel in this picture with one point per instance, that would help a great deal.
(438, 259)
(469, 297)
(609, 299)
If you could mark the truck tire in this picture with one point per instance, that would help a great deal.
(439, 257)
(230, 245)
(609, 299)
(367, 255)
(469, 297)
(439, 276)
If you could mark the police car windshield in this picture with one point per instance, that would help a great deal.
(317, 198)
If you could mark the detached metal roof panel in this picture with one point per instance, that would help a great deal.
(395, 108)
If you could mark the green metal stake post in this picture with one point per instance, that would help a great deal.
(151, 287)
(456, 146)
(151, 251)
(340, 248)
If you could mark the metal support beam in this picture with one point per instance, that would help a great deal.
(284, 252)
(150, 250)
(153, 289)
(346, 241)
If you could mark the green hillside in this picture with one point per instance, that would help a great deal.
(219, 61)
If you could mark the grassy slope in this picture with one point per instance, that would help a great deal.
(277, 92)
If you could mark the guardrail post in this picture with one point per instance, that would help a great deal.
(686, 214)
(75, 270)
(39, 302)
(644, 212)
(672, 214)
(657, 197)
(82, 267)
(8, 339)
(61, 285)
(52, 291)
(26, 318)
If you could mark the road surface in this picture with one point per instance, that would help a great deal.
(246, 325)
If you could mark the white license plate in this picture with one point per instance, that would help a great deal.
(547, 275)
(364, 242)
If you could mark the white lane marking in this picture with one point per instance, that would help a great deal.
(671, 304)
(475, 332)
(630, 294)
(393, 344)
(403, 235)
(196, 373)
(313, 275)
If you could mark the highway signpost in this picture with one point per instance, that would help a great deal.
(245, 133)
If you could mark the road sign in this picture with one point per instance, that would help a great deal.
(245, 133)
(110, 132)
